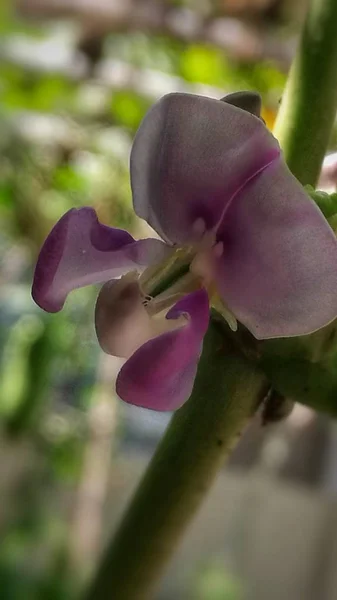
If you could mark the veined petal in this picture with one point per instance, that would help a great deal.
(80, 251)
(190, 156)
(160, 374)
(278, 271)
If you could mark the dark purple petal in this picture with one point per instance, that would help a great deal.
(278, 272)
(160, 374)
(190, 156)
(80, 251)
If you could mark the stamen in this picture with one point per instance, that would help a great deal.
(202, 266)
(188, 283)
(156, 307)
(146, 299)
(159, 276)
(206, 252)
(224, 311)
(153, 272)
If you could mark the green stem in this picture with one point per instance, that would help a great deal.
(304, 369)
(227, 391)
(309, 104)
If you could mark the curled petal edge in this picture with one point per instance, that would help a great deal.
(160, 374)
(81, 251)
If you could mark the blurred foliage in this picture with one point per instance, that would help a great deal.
(144, 51)
(26, 91)
(215, 582)
(129, 108)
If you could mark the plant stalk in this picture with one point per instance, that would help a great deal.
(227, 391)
(308, 108)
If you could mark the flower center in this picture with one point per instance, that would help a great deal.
(133, 309)
(187, 269)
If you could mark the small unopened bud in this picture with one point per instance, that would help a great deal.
(248, 101)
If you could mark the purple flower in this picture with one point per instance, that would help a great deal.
(239, 233)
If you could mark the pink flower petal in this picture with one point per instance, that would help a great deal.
(80, 251)
(278, 272)
(122, 322)
(190, 156)
(160, 374)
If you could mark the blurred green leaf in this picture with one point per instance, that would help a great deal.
(265, 77)
(144, 50)
(215, 582)
(129, 108)
(6, 194)
(28, 91)
(66, 179)
(204, 64)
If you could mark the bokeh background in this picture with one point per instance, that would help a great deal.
(76, 78)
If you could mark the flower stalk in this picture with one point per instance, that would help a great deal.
(201, 435)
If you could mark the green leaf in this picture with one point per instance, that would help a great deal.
(203, 64)
(129, 108)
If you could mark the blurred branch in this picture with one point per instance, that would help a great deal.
(86, 534)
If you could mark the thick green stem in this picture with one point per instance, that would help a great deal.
(309, 104)
(304, 369)
(227, 391)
